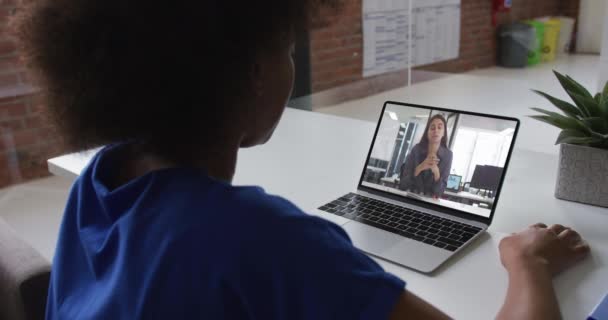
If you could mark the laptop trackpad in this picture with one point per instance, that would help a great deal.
(395, 248)
(369, 239)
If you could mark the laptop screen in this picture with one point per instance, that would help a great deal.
(443, 157)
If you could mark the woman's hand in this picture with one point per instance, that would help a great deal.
(428, 163)
(436, 173)
(555, 248)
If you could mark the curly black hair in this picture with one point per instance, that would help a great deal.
(155, 71)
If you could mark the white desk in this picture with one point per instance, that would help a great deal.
(456, 205)
(376, 169)
(314, 158)
(470, 196)
(442, 202)
(389, 180)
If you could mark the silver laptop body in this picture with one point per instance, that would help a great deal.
(416, 250)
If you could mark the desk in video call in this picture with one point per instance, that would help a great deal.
(461, 197)
(443, 202)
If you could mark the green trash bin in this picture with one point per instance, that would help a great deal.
(535, 55)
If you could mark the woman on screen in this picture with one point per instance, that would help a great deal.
(427, 167)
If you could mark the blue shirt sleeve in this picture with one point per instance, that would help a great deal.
(304, 267)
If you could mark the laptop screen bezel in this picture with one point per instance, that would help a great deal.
(431, 206)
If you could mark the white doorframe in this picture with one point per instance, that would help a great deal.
(590, 25)
(604, 58)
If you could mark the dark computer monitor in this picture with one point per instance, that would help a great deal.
(491, 178)
(486, 178)
(478, 177)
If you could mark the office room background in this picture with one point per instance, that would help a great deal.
(347, 66)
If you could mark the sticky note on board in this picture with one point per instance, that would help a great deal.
(601, 310)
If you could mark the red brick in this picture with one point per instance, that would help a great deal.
(11, 125)
(11, 100)
(13, 110)
(5, 13)
(9, 164)
(331, 65)
(341, 72)
(7, 80)
(25, 138)
(36, 108)
(5, 180)
(9, 65)
(7, 47)
(5, 144)
(339, 53)
(8, 3)
(35, 121)
(47, 133)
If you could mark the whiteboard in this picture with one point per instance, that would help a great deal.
(386, 47)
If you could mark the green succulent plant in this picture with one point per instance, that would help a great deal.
(583, 123)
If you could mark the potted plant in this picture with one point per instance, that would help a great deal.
(583, 158)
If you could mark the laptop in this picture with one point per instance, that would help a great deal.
(399, 211)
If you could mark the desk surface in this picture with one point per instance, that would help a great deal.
(442, 202)
(467, 195)
(461, 194)
(326, 154)
(376, 169)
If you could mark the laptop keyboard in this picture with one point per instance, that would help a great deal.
(439, 232)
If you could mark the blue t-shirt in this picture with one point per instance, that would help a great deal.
(177, 244)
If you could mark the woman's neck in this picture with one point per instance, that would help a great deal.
(433, 148)
(217, 161)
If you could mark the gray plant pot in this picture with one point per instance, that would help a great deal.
(583, 175)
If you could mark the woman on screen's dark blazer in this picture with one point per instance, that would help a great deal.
(427, 167)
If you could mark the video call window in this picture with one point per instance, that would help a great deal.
(447, 158)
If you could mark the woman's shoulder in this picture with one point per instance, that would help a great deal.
(257, 199)
(276, 224)
(445, 151)
(251, 218)
(417, 148)
(253, 206)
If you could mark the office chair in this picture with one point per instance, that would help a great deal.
(24, 278)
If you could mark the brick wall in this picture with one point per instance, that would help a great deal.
(11, 72)
(26, 140)
(336, 50)
(26, 137)
(570, 8)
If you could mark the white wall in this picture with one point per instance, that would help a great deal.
(406, 113)
(590, 26)
(604, 58)
(385, 140)
(484, 123)
(389, 128)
